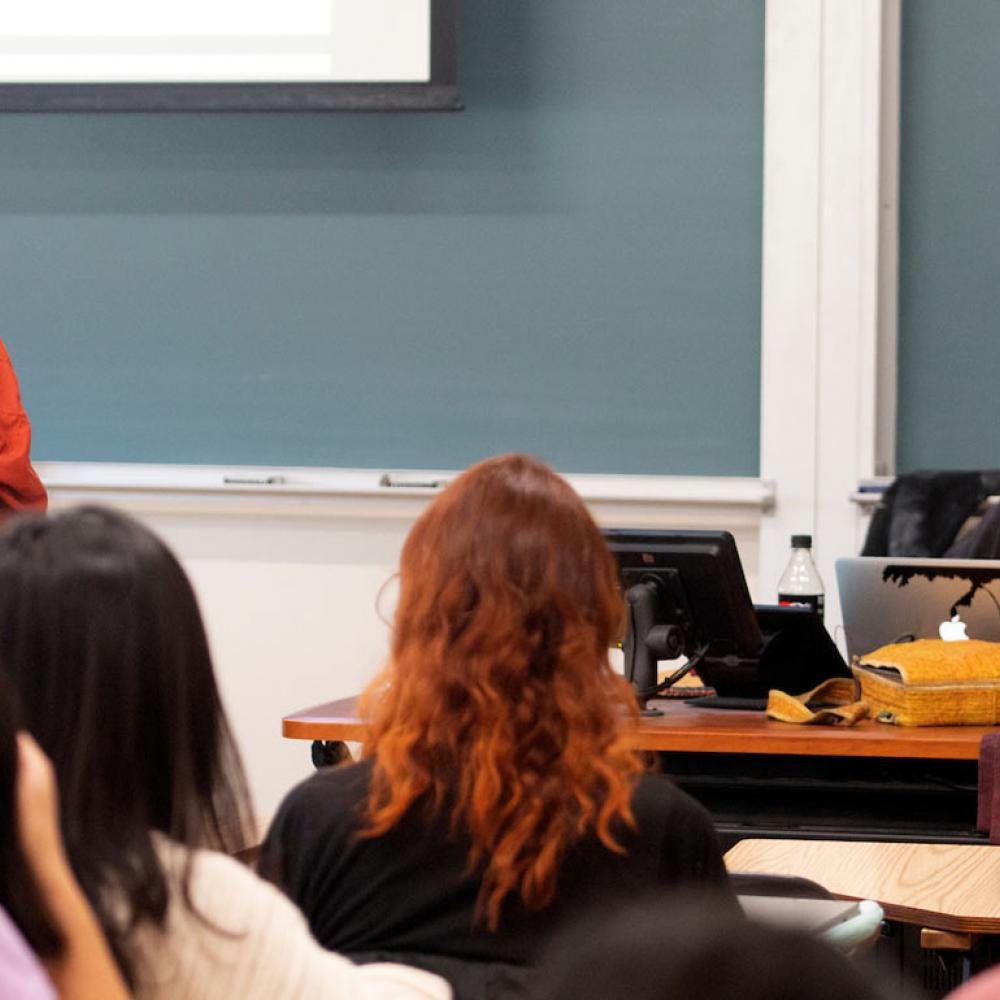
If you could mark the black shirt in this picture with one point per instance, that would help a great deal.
(409, 892)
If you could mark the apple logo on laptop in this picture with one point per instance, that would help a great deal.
(953, 631)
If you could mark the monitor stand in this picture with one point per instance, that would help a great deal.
(798, 654)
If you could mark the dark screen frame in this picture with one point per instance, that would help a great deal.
(711, 575)
(439, 94)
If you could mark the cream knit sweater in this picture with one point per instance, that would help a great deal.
(244, 940)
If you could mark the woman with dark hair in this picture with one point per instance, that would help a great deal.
(499, 790)
(44, 916)
(101, 636)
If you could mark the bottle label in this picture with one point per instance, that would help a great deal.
(816, 602)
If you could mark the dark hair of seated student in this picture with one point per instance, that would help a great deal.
(20, 896)
(499, 790)
(102, 639)
(692, 947)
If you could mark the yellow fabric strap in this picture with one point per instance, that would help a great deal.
(836, 700)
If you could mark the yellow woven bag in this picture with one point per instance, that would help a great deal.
(932, 683)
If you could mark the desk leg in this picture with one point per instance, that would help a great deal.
(329, 753)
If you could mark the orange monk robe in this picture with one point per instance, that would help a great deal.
(20, 487)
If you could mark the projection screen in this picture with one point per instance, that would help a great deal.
(250, 55)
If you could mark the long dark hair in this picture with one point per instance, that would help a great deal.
(101, 636)
(19, 894)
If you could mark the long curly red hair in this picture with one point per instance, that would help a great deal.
(498, 702)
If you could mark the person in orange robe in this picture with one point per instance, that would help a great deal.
(20, 487)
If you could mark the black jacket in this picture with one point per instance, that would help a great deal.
(409, 896)
(921, 513)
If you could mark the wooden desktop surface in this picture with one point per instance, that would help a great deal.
(687, 728)
(951, 887)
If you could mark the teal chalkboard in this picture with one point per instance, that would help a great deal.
(570, 266)
(949, 254)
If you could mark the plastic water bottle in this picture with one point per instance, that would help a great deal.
(800, 584)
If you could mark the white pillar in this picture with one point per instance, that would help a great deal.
(829, 271)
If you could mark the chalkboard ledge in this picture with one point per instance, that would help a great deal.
(267, 489)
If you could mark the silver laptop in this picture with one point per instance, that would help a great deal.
(888, 599)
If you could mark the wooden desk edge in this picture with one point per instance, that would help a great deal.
(811, 741)
(902, 912)
(301, 727)
(336, 721)
(930, 919)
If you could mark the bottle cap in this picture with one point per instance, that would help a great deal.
(802, 541)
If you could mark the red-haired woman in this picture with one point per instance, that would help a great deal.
(498, 793)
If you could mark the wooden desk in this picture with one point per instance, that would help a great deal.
(763, 778)
(953, 887)
(687, 728)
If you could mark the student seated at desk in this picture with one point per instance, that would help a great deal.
(101, 637)
(499, 793)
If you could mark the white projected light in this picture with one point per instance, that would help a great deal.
(192, 42)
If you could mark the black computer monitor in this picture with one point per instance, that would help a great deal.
(686, 595)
